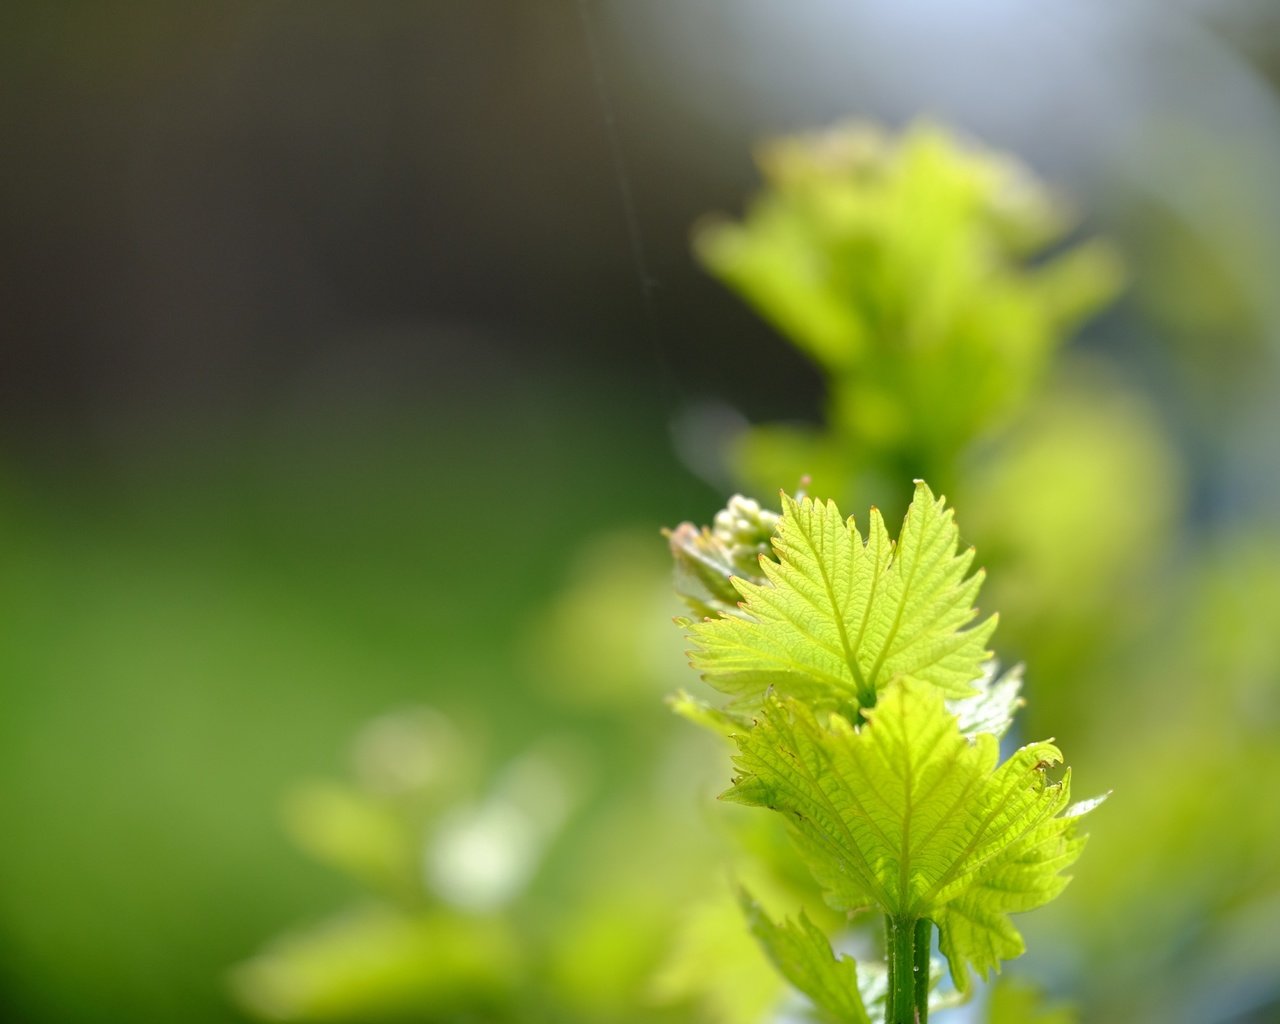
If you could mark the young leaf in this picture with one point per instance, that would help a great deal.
(803, 956)
(839, 617)
(992, 707)
(718, 720)
(908, 814)
(975, 929)
(707, 560)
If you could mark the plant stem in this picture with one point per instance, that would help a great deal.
(900, 939)
(920, 967)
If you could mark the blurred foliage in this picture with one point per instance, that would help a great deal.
(904, 267)
(194, 620)
(926, 279)
(196, 626)
(562, 895)
(1150, 645)
(949, 238)
(1016, 1003)
(935, 287)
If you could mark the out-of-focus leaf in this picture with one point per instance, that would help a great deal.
(727, 723)
(356, 833)
(1015, 1002)
(377, 964)
(911, 270)
(802, 954)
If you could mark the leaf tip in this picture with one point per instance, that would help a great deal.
(1083, 807)
(923, 490)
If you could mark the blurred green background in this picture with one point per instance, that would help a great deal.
(353, 355)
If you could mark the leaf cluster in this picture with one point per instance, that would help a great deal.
(866, 711)
(925, 277)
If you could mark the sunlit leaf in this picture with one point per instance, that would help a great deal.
(839, 616)
(907, 814)
(974, 927)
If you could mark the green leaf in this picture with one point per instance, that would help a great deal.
(975, 929)
(929, 281)
(907, 814)
(838, 617)
(377, 963)
(801, 952)
(803, 955)
(699, 712)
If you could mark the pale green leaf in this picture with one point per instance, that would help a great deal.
(905, 812)
(703, 571)
(912, 269)
(839, 616)
(974, 927)
(378, 963)
(699, 712)
(802, 954)
(992, 708)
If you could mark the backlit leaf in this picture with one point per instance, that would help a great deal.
(839, 616)
(908, 814)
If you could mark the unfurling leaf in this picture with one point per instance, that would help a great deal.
(707, 560)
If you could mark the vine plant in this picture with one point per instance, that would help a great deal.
(867, 711)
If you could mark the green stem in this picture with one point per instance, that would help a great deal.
(920, 967)
(900, 939)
